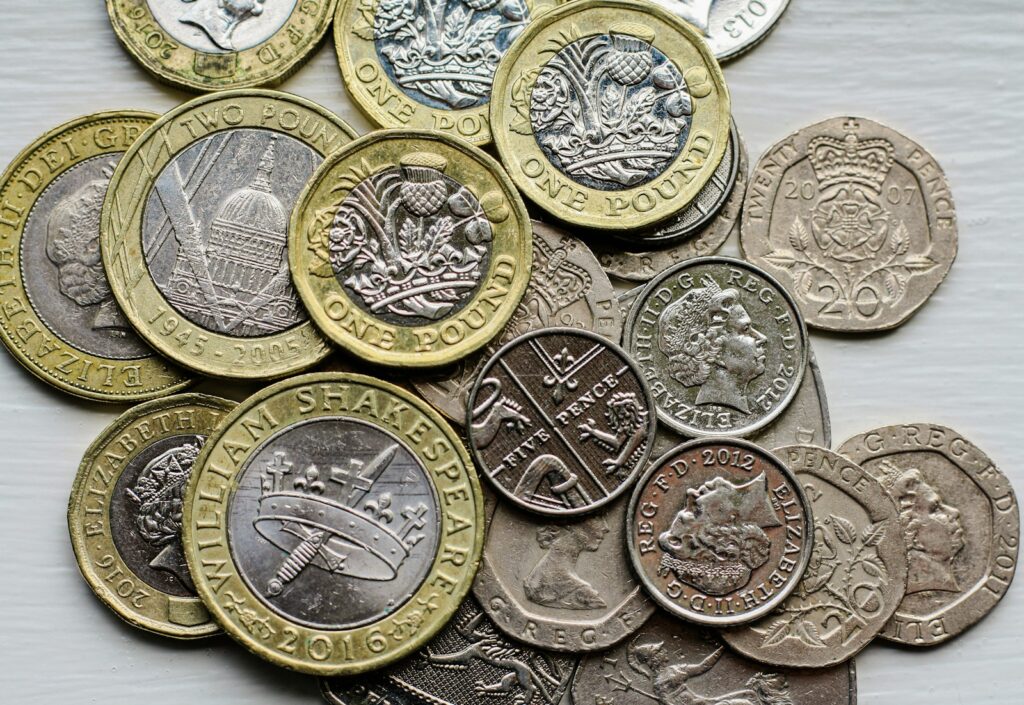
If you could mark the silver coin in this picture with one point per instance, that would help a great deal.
(570, 587)
(721, 344)
(730, 27)
(567, 288)
(960, 521)
(672, 663)
(856, 575)
(560, 421)
(221, 26)
(699, 231)
(469, 662)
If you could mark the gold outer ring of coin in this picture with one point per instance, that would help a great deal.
(29, 339)
(212, 486)
(102, 566)
(148, 310)
(370, 336)
(265, 64)
(639, 206)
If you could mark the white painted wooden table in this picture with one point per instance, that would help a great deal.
(945, 72)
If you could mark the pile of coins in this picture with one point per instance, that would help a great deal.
(661, 519)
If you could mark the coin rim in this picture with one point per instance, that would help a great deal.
(743, 48)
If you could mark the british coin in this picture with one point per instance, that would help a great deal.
(721, 344)
(410, 248)
(730, 27)
(125, 513)
(719, 531)
(570, 586)
(334, 523)
(194, 232)
(470, 661)
(855, 219)
(560, 421)
(609, 114)
(209, 45)
(59, 318)
(669, 662)
(856, 575)
(960, 521)
(567, 288)
(428, 65)
(700, 230)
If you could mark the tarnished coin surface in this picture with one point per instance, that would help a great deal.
(730, 27)
(560, 421)
(195, 227)
(428, 65)
(855, 219)
(60, 319)
(209, 45)
(557, 584)
(469, 662)
(671, 663)
(410, 248)
(698, 231)
(610, 114)
(334, 523)
(124, 514)
(719, 531)
(567, 288)
(961, 526)
(856, 575)
(721, 344)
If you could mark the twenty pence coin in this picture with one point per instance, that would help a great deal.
(334, 524)
(719, 531)
(60, 319)
(856, 575)
(961, 526)
(410, 248)
(194, 231)
(124, 514)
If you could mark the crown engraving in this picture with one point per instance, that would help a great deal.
(851, 159)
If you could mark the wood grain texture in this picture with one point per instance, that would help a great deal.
(945, 72)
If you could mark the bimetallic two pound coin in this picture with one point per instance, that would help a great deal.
(125, 513)
(333, 524)
(410, 248)
(719, 531)
(609, 114)
(428, 65)
(209, 45)
(195, 232)
(58, 316)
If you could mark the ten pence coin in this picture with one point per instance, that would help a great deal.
(60, 318)
(124, 514)
(334, 523)
(960, 522)
(210, 45)
(856, 575)
(855, 219)
(195, 227)
(610, 115)
(730, 27)
(719, 531)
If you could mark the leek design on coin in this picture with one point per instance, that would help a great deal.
(610, 115)
(334, 525)
(730, 27)
(560, 421)
(428, 65)
(567, 288)
(719, 531)
(209, 45)
(195, 232)
(855, 219)
(960, 523)
(721, 344)
(410, 249)
(61, 320)
(125, 513)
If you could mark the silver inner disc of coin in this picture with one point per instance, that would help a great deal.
(221, 26)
